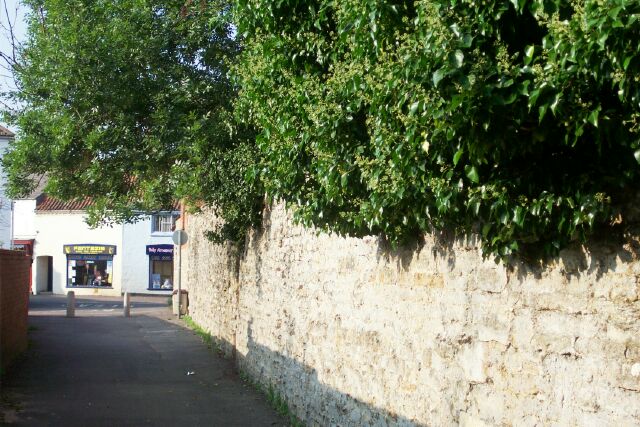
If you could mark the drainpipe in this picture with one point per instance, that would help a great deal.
(11, 229)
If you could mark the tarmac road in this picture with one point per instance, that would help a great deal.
(102, 369)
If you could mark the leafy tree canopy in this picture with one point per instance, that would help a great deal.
(518, 119)
(129, 102)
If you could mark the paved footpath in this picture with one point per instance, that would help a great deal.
(102, 369)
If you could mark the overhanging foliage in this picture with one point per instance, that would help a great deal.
(517, 119)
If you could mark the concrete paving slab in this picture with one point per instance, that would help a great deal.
(102, 369)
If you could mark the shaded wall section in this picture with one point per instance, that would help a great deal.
(14, 304)
(353, 333)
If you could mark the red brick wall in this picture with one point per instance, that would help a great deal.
(14, 304)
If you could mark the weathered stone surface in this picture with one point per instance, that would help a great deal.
(352, 333)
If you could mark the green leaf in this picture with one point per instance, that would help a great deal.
(542, 111)
(485, 230)
(438, 75)
(593, 117)
(414, 107)
(554, 103)
(518, 4)
(467, 41)
(455, 29)
(518, 215)
(533, 97)
(457, 155)
(603, 39)
(456, 100)
(457, 59)
(528, 54)
(472, 174)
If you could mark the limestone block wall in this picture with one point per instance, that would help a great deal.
(209, 273)
(352, 333)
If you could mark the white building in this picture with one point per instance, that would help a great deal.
(6, 136)
(68, 255)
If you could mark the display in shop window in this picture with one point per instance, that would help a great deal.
(160, 267)
(94, 272)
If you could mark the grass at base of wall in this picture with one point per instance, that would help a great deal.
(204, 335)
(275, 399)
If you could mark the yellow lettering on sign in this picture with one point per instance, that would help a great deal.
(90, 250)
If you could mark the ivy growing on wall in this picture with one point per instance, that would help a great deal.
(517, 119)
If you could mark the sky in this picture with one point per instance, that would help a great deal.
(15, 12)
(10, 12)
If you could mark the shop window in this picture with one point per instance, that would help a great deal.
(95, 272)
(161, 275)
(160, 267)
(89, 265)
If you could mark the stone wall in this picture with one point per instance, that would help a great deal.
(14, 304)
(352, 333)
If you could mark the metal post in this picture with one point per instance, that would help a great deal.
(179, 281)
(127, 305)
(71, 304)
(12, 232)
(179, 238)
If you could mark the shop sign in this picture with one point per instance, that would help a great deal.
(25, 246)
(79, 257)
(89, 249)
(160, 250)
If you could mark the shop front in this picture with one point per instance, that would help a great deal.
(160, 267)
(89, 265)
(26, 246)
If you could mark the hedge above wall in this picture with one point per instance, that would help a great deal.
(517, 119)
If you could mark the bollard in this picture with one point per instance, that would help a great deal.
(71, 304)
(127, 305)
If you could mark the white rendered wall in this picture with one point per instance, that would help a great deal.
(5, 202)
(24, 219)
(135, 269)
(55, 229)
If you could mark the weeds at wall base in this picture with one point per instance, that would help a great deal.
(275, 399)
(204, 335)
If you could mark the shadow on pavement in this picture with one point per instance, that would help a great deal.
(108, 370)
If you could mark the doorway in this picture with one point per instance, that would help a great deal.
(49, 274)
(44, 274)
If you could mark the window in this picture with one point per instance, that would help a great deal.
(89, 265)
(161, 275)
(93, 272)
(163, 223)
(160, 267)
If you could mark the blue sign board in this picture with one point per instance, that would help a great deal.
(163, 251)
